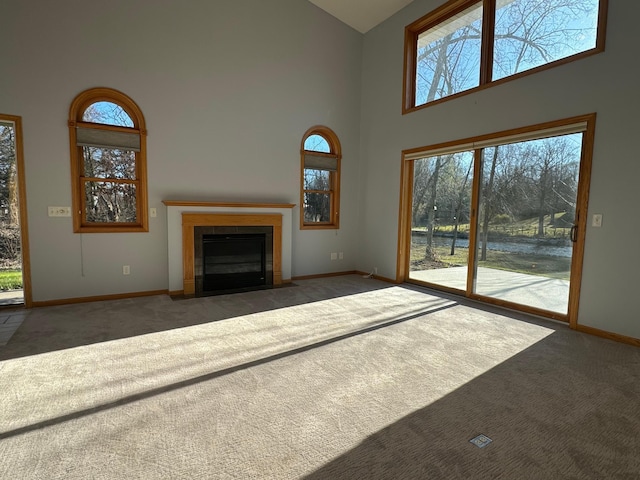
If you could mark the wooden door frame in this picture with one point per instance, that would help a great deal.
(22, 207)
(582, 203)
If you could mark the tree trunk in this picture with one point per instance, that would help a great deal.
(458, 208)
(487, 208)
(12, 180)
(542, 200)
(440, 67)
(431, 208)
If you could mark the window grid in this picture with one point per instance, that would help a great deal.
(320, 179)
(108, 163)
(449, 14)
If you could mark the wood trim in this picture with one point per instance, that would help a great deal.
(78, 106)
(581, 219)
(603, 13)
(473, 221)
(378, 277)
(192, 220)
(187, 203)
(450, 8)
(488, 35)
(98, 298)
(318, 154)
(411, 33)
(110, 128)
(519, 307)
(616, 337)
(336, 152)
(323, 275)
(123, 228)
(409, 70)
(318, 226)
(100, 94)
(404, 220)
(501, 134)
(440, 14)
(406, 195)
(22, 208)
(438, 288)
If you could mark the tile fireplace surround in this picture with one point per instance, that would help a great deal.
(184, 216)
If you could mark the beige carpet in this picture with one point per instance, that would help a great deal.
(338, 378)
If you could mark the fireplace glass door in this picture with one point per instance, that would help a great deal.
(233, 261)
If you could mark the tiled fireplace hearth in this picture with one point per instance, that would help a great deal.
(185, 218)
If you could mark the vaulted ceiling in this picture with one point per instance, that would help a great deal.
(362, 15)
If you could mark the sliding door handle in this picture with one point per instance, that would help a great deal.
(574, 234)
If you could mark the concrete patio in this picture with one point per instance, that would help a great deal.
(532, 290)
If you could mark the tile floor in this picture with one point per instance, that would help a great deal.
(9, 323)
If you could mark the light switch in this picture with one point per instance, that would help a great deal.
(59, 211)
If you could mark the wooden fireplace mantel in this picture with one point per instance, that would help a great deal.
(190, 203)
(192, 220)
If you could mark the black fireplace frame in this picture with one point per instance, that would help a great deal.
(198, 238)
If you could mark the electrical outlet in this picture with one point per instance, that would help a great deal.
(126, 270)
(341, 255)
(59, 211)
(334, 256)
(597, 220)
(375, 270)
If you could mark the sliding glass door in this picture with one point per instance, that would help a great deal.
(527, 211)
(500, 218)
(440, 219)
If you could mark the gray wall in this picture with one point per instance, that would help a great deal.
(227, 88)
(602, 83)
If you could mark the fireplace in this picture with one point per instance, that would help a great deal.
(183, 216)
(233, 261)
(196, 225)
(232, 258)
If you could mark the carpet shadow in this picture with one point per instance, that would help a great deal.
(562, 408)
(47, 329)
(217, 374)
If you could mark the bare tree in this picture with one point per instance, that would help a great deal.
(527, 33)
(462, 190)
(110, 194)
(488, 209)
(9, 212)
(317, 199)
(425, 194)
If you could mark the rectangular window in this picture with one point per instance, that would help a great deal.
(109, 163)
(110, 202)
(317, 196)
(448, 56)
(468, 44)
(529, 33)
(109, 179)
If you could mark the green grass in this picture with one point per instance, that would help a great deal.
(10, 279)
(542, 265)
(523, 228)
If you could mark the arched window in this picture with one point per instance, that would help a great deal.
(320, 179)
(108, 163)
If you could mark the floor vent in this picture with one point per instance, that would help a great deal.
(481, 441)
